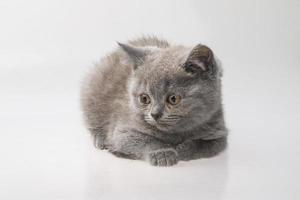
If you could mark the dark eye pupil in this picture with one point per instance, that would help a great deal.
(173, 99)
(144, 99)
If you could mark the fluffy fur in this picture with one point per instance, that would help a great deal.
(158, 132)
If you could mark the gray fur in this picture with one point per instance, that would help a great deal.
(119, 122)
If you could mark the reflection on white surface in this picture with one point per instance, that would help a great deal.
(46, 48)
(137, 180)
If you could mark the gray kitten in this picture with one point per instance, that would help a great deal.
(158, 102)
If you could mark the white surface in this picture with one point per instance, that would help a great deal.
(46, 48)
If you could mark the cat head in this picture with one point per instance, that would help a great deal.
(174, 88)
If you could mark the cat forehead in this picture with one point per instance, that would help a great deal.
(170, 57)
(165, 63)
(163, 82)
(164, 68)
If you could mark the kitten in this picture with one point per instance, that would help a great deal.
(157, 102)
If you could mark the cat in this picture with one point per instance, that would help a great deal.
(157, 102)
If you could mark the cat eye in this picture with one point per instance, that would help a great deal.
(144, 99)
(174, 99)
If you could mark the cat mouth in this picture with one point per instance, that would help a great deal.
(159, 125)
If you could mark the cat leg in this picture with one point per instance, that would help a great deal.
(135, 145)
(195, 149)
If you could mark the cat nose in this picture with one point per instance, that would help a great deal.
(156, 116)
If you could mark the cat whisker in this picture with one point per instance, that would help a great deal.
(168, 122)
(165, 124)
(174, 115)
(166, 119)
(171, 119)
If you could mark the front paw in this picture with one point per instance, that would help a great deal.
(163, 157)
(99, 141)
(185, 150)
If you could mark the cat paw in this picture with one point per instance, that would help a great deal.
(163, 157)
(185, 150)
(99, 142)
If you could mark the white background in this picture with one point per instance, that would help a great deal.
(46, 47)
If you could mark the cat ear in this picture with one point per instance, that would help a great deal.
(200, 60)
(136, 54)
